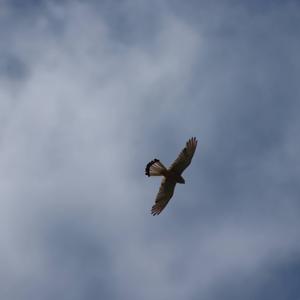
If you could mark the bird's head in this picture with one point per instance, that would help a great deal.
(181, 180)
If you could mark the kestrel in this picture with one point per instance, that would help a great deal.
(171, 176)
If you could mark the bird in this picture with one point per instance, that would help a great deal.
(171, 175)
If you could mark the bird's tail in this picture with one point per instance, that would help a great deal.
(155, 168)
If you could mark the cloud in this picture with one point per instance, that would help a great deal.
(87, 100)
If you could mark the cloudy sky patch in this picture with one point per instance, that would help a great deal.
(89, 93)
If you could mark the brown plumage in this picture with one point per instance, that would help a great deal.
(171, 176)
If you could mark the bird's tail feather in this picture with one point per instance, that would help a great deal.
(155, 168)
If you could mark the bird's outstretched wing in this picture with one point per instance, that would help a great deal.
(165, 193)
(185, 157)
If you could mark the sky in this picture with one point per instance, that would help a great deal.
(91, 91)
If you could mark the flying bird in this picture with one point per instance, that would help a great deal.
(171, 176)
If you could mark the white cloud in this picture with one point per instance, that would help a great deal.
(71, 136)
(77, 131)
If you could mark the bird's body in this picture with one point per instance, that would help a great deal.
(171, 176)
(175, 176)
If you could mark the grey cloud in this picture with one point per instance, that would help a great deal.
(99, 102)
(12, 67)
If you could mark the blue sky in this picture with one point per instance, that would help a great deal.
(91, 92)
